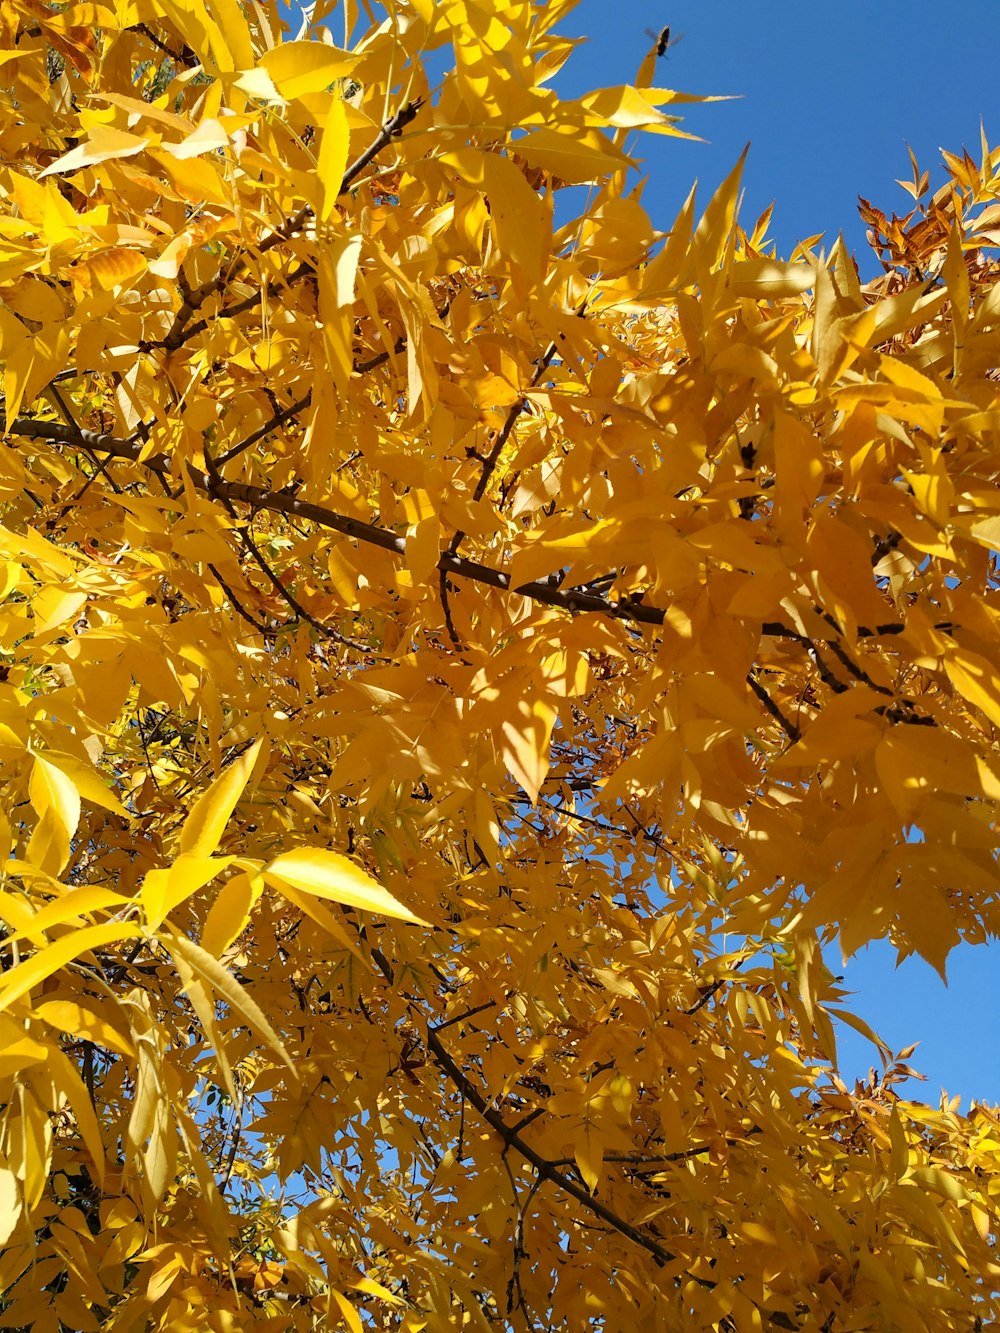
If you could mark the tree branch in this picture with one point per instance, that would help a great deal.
(196, 297)
(542, 1166)
(277, 420)
(572, 600)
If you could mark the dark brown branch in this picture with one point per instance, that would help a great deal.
(236, 1134)
(279, 419)
(72, 422)
(257, 625)
(453, 634)
(465, 1015)
(392, 129)
(274, 288)
(640, 1161)
(544, 1168)
(186, 59)
(856, 671)
(503, 435)
(380, 358)
(831, 681)
(545, 591)
(512, 1139)
(249, 545)
(789, 728)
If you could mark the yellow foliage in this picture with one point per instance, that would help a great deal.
(461, 665)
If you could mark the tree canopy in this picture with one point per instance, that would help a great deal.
(471, 655)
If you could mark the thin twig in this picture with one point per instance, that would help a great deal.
(258, 625)
(196, 297)
(185, 59)
(277, 420)
(236, 1135)
(856, 671)
(493, 457)
(72, 422)
(453, 634)
(512, 1138)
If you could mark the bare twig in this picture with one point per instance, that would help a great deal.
(185, 59)
(236, 1133)
(453, 634)
(503, 435)
(465, 1015)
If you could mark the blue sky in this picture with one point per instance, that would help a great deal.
(830, 97)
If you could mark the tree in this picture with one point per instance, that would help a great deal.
(466, 662)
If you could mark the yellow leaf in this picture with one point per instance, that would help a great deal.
(976, 680)
(71, 904)
(50, 787)
(768, 279)
(71, 1085)
(10, 1203)
(222, 981)
(84, 16)
(103, 144)
(298, 68)
(332, 161)
(18, 1051)
(899, 1158)
(928, 921)
(570, 153)
(526, 744)
(376, 1289)
(756, 1231)
(711, 237)
(57, 804)
(163, 890)
(588, 1150)
(423, 549)
(350, 1314)
(208, 137)
(912, 767)
(110, 269)
(162, 1279)
(231, 20)
(520, 219)
(45, 962)
(67, 1016)
(940, 1181)
(316, 912)
(54, 606)
(229, 914)
(862, 1028)
(204, 826)
(338, 266)
(87, 781)
(329, 875)
(630, 108)
(798, 455)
